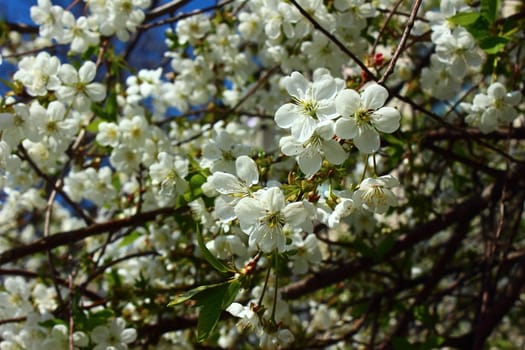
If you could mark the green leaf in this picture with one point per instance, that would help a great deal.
(464, 18)
(93, 126)
(233, 290)
(489, 9)
(399, 343)
(115, 279)
(384, 247)
(108, 112)
(510, 27)
(111, 107)
(99, 318)
(421, 313)
(132, 237)
(181, 298)
(212, 299)
(52, 322)
(493, 45)
(479, 29)
(210, 258)
(8, 83)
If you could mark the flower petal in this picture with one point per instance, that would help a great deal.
(249, 210)
(347, 102)
(96, 92)
(346, 128)
(290, 146)
(287, 115)
(247, 170)
(367, 141)
(87, 72)
(309, 163)
(273, 199)
(225, 183)
(374, 96)
(334, 152)
(302, 131)
(386, 119)
(324, 88)
(296, 85)
(68, 74)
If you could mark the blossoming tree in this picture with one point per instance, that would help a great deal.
(338, 174)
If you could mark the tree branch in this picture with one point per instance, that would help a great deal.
(333, 39)
(73, 236)
(168, 8)
(462, 212)
(400, 46)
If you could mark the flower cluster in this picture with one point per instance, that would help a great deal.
(324, 114)
(261, 153)
(456, 53)
(493, 109)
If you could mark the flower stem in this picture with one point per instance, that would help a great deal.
(266, 279)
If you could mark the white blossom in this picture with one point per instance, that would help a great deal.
(78, 32)
(78, 86)
(18, 125)
(459, 50)
(193, 28)
(56, 128)
(48, 17)
(168, 174)
(364, 115)
(490, 110)
(313, 102)
(375, 194)
(39, 74)
(264, 216)
(114, 335)
(309, 154)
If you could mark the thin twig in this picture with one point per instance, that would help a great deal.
(246, 96)
(383, 27)
(165, 9)
(25, 156)
(333, 39)
(410, 24)
(182, 16)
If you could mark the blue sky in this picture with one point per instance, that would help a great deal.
(18, 11)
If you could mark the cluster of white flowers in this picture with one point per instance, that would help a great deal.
(493, 109)
(282, 135)
(106, 18)
(322, 110)
(456, 52)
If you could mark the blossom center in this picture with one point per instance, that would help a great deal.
(274, 220)
(375, 195)
(18, 121)
(309, 107)
(363, 117)
(52, 126)
(315, 142)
